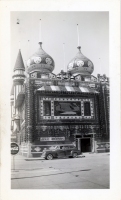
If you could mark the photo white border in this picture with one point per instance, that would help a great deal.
(113, 6)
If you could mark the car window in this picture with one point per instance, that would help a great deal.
(66, 148)
(57, 147)
(71, 147)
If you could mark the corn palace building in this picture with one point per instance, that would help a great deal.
(69, 108)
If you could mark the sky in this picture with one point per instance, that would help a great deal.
(58, 28)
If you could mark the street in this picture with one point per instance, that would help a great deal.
(89, 172)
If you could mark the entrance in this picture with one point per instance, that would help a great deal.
(85, 144)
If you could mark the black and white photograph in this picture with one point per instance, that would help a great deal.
(60, 100)
(60, 96)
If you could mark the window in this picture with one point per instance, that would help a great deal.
(87, 111)
(47, 108)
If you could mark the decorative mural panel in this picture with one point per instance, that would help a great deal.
(65, 108)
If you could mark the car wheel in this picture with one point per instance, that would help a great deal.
(75, 155)
(49, 157)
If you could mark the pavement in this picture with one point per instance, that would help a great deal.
(89, 172)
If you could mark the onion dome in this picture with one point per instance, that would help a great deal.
(80, 64)
(41, 62)
(19, 65)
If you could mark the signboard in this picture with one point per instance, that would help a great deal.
(14, 148)
(52, 138)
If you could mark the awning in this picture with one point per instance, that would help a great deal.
(19, 99)
(67, 89)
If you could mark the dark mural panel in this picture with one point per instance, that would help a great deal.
(87, 111)
(67, 108)
(47, 108)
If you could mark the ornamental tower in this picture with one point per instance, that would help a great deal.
(18, 80)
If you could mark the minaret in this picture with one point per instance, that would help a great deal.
(18, 77)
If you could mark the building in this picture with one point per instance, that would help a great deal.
(50, 109)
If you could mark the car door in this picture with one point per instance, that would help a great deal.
(68, 151)
(61, 152)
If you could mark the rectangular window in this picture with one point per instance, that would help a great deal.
(46, 108)
(87, 111)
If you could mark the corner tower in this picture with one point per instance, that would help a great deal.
(18, 81)
(18, 76)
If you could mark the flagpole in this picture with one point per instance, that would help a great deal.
(40, 31)
(100, 66)
(29, 48)
(64, 55)
(19, 44)
(78, 34)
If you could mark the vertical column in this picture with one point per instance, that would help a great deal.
(105, 109)
(14, 97)
(29, 116)
(29, 111)
(79, 144)
(93, 144)
(29, 144)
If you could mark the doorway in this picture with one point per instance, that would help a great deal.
(85, 144)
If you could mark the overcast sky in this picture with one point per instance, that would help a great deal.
(58, 28)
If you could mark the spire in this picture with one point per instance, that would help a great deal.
(19, 62)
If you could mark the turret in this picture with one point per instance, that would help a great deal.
(18, 81)
(19, 76)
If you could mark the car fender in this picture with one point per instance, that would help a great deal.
(55, 154)
(74, 152)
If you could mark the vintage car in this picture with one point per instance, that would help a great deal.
(61, 151)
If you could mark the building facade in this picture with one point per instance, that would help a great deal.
(69, 108)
